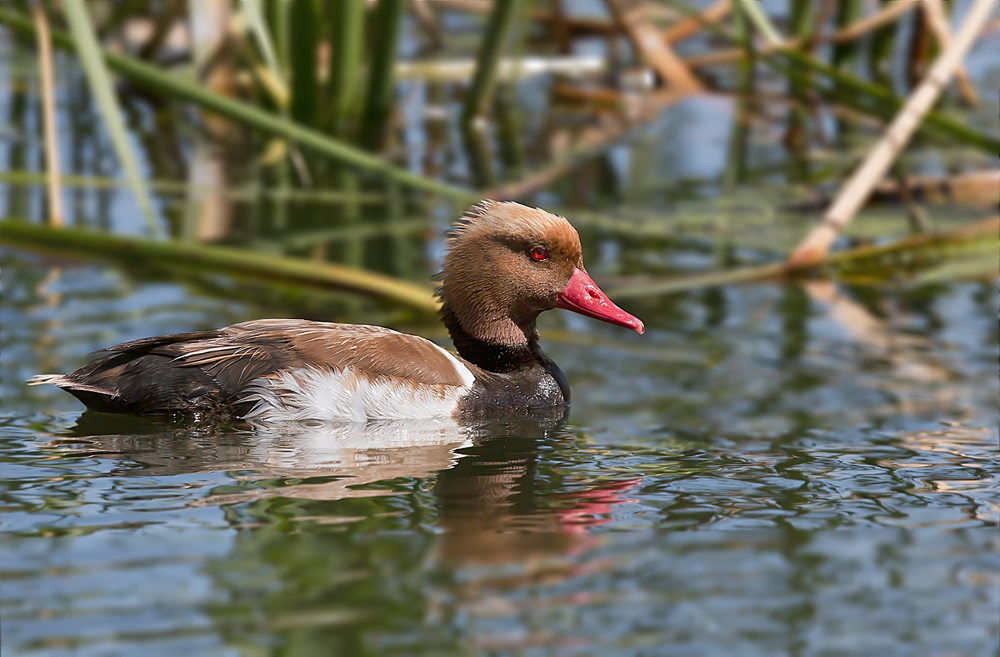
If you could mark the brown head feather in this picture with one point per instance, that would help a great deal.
(489, 279)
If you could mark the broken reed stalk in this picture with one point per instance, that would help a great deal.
(884, 16)
(142, 252)
(427, 19)
(918, 48)
(854, 92)
(688, 27)
(841, 261)
(649, 42)
(854, 194)
(974, 189)
(48, 113)
(937, 19)
(498, 28)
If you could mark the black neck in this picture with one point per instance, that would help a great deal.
(492, 357)
(502, 359)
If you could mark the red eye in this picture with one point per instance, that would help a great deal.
(539, 253)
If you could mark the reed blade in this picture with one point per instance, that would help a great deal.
(381, 80)
(258, 28)
(96, 70)
(175, 87)
(347, 29)
(304, 23)
(500, 22)
(761, 21)
(142, 252)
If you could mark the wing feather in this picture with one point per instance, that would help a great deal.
(214, 369)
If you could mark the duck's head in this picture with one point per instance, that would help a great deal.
(507, 262)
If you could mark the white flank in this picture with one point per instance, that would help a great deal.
(344, 395)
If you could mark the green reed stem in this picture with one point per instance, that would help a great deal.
(85, 43)
(490, 52)
(172, 85)
(760, 20)
(864, 96)
(844, 54)
(387, 19)
(304, 23)
(348, 26)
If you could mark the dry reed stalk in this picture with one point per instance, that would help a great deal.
(163, 24)
(575, 25)
(937, 19)
(594, 141)
(974, 188)
(578, 25)
(826, 10)
(854, 194)
(891, 12)
(428, 20)
(837, 110)
(601, 97)
(990, 29)
(471, 6)
(558, 28)
(977, 189)
(688, 27)
(48, 113)
(649, 41)
(826, 267)
(885, 16)
(918, 48)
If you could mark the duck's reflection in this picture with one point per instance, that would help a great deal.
(333, 523)
(491, 501)
(344, 456)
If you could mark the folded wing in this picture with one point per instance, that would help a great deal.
(215, 370)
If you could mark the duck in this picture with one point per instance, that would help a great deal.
(504, 264)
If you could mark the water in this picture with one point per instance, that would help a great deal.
(770, 470)
(755, 475)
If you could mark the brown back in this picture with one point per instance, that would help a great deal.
(235, 355)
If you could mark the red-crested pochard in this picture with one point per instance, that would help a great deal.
(505, 264)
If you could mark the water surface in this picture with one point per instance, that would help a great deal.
(752, 476)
